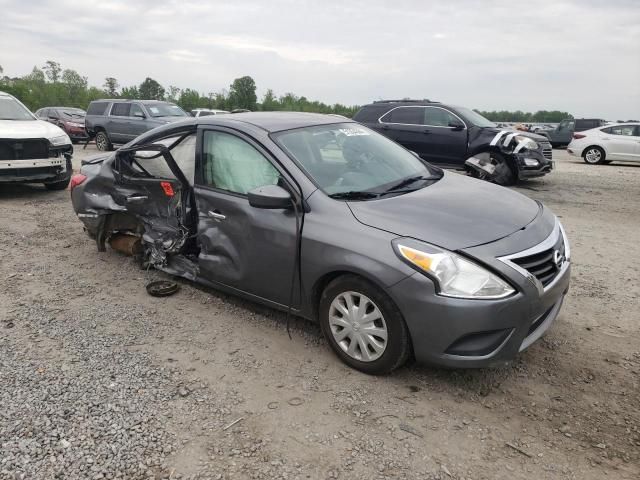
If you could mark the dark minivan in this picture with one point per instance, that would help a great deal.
(458, 137)
(120, 121)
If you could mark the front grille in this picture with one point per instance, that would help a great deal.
(547, 153)
(544, 265)
(11, 149)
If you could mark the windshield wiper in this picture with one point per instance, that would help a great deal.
(354, 195)
(405, 182)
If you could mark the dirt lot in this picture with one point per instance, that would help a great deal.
(100, 380)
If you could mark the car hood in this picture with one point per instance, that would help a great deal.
(22, 129)
(535, 136)
(454, 213)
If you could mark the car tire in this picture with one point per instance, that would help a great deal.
(594, 155)
(102, 141)
(61, 185)
(347, 332)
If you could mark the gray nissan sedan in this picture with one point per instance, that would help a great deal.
(323, 217)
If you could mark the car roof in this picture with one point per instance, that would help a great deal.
(120, 100)
(272, 121)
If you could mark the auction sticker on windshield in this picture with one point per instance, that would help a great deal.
(353, 132)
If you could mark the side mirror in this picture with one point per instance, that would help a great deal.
(139, 115)
(456, 126)
(269, 197)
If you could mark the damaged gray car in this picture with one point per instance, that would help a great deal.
(323, 217)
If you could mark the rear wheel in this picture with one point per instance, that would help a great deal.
(363, 326)
(102, 141)
(594, 156)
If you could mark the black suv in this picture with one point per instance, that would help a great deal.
(458, 137)
(120, 121)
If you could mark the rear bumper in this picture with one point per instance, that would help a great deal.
(460, 333)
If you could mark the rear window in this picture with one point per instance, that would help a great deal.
(627, 130)
(370, 113)
(405, 115)
(120, 109)
(97, 108)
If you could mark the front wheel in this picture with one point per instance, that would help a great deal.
(594, 156)
(503, 174)
(363, 326)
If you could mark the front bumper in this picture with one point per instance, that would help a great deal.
(453, 332)
(460, 333)
(534, 163)
(45, 170)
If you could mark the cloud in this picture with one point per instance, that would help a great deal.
(185, 56)
(492, 54)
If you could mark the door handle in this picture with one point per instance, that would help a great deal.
(137, 198)
(216, 215)
(425, 131)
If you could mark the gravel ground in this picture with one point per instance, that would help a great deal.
(99, 380)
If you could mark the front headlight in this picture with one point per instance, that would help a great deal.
(455, 275)
(526, 143)
(61, 140)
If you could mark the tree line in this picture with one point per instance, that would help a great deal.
(53, 85)
(541, 116)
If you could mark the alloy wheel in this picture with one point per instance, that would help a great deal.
(101, 142)
(358, 326)
(593, 155)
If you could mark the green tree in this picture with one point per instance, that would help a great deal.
(53, 70)
(131, 93)
(242, 93)
(173, 94)
(111, 86)
(151, 90)
(269, 101)
(190, 99)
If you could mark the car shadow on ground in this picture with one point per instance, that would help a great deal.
(477, 381)
(24, 190)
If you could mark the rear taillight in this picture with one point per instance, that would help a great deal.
(578, 136)
(76, 180)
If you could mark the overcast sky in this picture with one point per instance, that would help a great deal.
(581, 56)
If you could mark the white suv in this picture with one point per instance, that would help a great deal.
(32, 150)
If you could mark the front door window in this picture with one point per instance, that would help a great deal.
(233, 165)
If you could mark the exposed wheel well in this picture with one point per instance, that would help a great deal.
(509, 158)
(326, 279)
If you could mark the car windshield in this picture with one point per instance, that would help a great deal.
(349, 161)
(73, 112)
(10, 109)
(165, 110)
(474, 117)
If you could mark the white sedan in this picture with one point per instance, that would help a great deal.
(619, 142)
